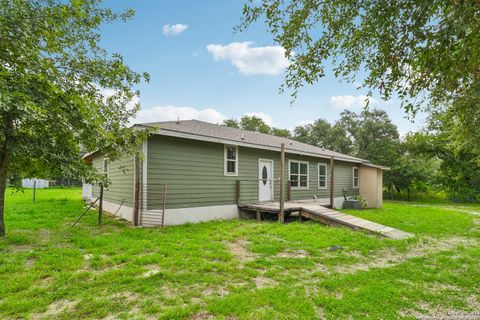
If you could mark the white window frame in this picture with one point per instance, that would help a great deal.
(353, 178)
(326, 176)
(107, 169)
(308, 174)
(225, 161)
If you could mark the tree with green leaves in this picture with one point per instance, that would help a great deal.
(459, 169)
(60, 92)
(374, 135)
(323, 134)
(256, 124)
(232, 123)
(280, 132)
(410, 172)
(424, 52)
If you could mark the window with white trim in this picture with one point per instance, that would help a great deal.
(322, 176)
(298, 174)
(231, 160)
(355, 178)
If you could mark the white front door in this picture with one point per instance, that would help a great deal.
(265, 180)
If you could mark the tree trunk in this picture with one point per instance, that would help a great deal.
(3, 186)
(4, 162)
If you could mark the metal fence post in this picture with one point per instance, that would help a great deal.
(136, 200)
(281, 215)
(164, 203)
(100, 205)
(34, 189)
(332, 182)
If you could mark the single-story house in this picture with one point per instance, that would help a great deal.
(191, 171)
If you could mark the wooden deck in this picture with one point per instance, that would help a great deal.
(317, 212)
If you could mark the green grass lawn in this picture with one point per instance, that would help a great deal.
(235, 269)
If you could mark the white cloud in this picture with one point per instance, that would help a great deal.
(265, 117)
(174, 29)
(269, 60)
(349, 102)
(172, 113)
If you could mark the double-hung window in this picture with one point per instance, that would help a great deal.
(355, 178)
(298, 174)
(231, 161)
(322, 176)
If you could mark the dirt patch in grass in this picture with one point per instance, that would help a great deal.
(451, 208)
(88, 256)
(433, 312)
(16, 248)
(320, 313)
(45, 282)
(151, 270)
(203, 315)
(30, 262)
(44, 235)
(299, 254)
(125, 296)
(457, 209)
(98, 270)
(474, 303)
(239, 249)
(135, 313)
(264, 282)
(438, 287)
(388, 258)
(169, 292)
(55, 309)
(215, 292)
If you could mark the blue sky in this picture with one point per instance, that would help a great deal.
(201, 69)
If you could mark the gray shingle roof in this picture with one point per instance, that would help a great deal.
(199, 130)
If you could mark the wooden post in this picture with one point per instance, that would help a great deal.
(136, 196)
(34, 189)
(259, 216)
(289, 191)
(332, 182)
(100, 205)
(164, 202)
(238, 192)
(281, 215)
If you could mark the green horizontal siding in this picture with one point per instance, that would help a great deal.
(194, 172)
(120, 173)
